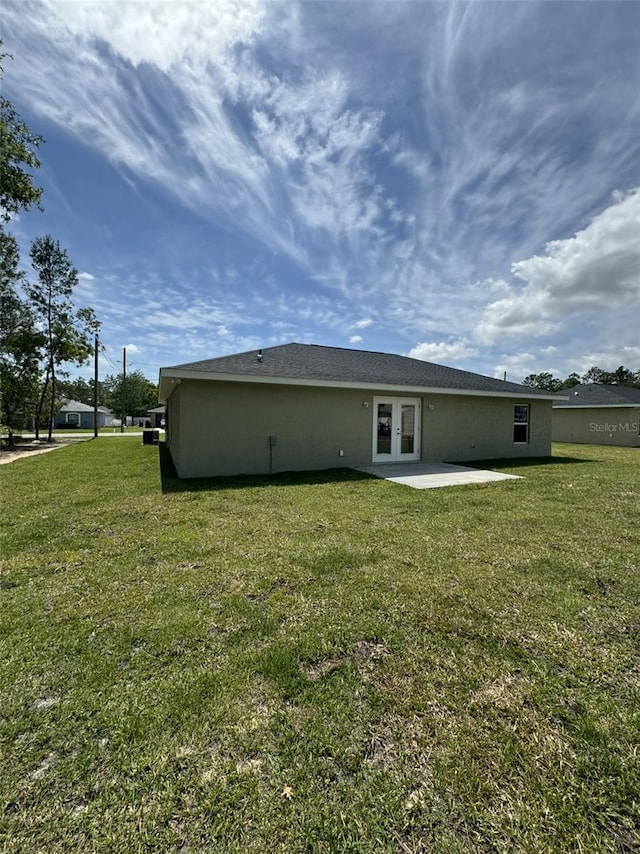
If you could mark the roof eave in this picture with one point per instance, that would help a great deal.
(598, 406)
(171, 377)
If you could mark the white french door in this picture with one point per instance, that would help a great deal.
(396, 429)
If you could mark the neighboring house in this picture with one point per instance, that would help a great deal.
(598, 414)
(157, 416)
(73, 414)
(303, 407)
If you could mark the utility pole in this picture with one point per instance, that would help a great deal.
(124, 389)
(95, 388)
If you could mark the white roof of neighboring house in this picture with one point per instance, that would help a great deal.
(76, 406)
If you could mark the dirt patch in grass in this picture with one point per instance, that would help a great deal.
(21, 450)
(364, 656)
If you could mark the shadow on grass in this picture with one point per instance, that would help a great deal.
(523, 462)
(172, 483)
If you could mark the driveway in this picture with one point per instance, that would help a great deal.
(432, 475)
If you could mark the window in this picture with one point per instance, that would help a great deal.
(73, 419)
(521, 423)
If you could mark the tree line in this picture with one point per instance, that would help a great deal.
(41, 331)
(621, 376)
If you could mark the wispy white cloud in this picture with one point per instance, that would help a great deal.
(164, 34)
(173, 319)
(355, 339)
(294, 167)
(403, 154)
(306, 132)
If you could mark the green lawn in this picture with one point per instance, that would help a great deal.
(76, 431)
(81, 431)
(321, 663)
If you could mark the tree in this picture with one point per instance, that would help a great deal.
(572, 380)
(621, 376)
(597, 375)
(20, 342)
(45, 331)
(17, 156)
(68, 332)
(78, 389)
(139, 395)
(20, 338)
(544, 380)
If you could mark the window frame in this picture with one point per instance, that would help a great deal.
(520, 423)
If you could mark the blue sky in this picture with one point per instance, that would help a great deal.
(456, 182)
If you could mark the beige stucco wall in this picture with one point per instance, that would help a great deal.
(461, 427)
(224, 428)
(173, 429)
(598, 426)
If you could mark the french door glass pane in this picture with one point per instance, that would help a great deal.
(384, 428)
(408, 429)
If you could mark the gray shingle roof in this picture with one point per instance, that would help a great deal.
(597, 394)
(336, 364)
(75, 406)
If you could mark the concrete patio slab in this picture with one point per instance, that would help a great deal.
(433, 474)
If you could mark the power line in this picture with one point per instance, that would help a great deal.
(107, 359)
(146, 365)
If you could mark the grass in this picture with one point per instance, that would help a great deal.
(81, 431)
(318, 663)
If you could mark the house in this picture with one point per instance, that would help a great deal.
(598, 414)
(301, 407)
(157, 416)
(74, 414)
